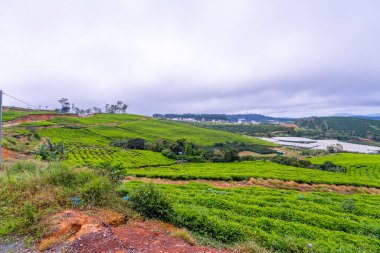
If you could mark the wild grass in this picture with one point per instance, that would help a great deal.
(29, 191)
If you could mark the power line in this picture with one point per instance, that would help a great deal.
(20, 100)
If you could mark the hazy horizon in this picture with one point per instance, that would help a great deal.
(288, 58)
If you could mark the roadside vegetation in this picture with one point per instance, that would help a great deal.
(32, 190)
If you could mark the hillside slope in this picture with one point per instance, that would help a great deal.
(342, 127)
(113, 126)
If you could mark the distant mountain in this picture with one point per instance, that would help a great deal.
(343, 115)
(257, 118)
(366, 117)
(242, 118)
(375, 116)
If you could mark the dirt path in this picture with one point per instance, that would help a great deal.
(101, 231)
(270, 183)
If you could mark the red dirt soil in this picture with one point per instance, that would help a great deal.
(100, 231)
(270, 183)
(10, 155)
(36, 117)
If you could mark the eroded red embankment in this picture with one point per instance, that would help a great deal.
(105, 231)
(36, 117)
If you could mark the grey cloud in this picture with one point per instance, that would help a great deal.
(288, 58)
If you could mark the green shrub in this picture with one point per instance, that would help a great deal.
(96, 192)
(60, 175)
(329, 166)
(114, 172)
(133, 143)
(148, 200)
(52, 152)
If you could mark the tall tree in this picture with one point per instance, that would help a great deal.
(65, 105)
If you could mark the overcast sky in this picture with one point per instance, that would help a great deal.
(280, 58)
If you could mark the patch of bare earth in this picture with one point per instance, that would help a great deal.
(35, 118)
(105, 231)
(270, 183)
(10, 155)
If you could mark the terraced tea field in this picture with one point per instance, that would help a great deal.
(104, 128)
(90, 137)
(255, 169)
(95, 156)
(279, 220)
(358, 165)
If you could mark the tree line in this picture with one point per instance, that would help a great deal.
(67, 107)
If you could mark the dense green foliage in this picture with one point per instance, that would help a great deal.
(241, 146)
(252, 130)
(343, 128)
(52, 151)
(150, 201)
(280, 220)
(188, 151)
(255, 169)
(294, 161)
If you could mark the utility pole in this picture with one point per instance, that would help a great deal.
(1, 126)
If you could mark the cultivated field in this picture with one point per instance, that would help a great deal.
(282, 221)
(255, 169)
(241, 217)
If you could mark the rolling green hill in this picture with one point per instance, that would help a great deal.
(89, 138)
(102, 128)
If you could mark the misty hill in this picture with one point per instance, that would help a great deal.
(342, 127)
(223, 117)
(369, 116)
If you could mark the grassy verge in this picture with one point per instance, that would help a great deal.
(29, 191)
